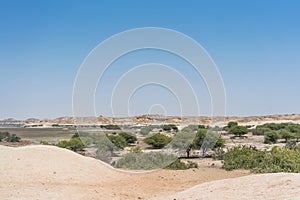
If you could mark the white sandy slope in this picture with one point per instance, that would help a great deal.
(47, 172)
(260, 186)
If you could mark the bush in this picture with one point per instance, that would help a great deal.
(74, 144)
(169, 127)
(271, 137)
(4, 135)
(13, 138)
(158, 140)
(277, 160)
(111, 127)
(147, 129)
(260, 130)
(145, 161)
(129, 137)
(117, 140)
(179, 165)
(9, 137)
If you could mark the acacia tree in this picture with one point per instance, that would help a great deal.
(238, 130)
(206, 139)
(285, 134)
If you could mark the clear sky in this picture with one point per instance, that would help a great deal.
(255, 44)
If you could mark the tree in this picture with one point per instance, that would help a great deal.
(285, 134)
(182, 140)
(238, 130)
(271, 137)
(232, 124)
(206, 139)
(158, 140)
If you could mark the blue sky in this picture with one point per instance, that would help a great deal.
(255, 44)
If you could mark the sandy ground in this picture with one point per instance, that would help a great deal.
(48, 172)
(260, 186)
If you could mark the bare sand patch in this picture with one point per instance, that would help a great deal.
(48, 172)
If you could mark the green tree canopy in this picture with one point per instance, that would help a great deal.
(238, 130)
(158, 140)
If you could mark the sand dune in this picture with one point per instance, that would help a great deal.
(47, 172)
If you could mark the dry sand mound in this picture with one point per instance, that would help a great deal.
(47, 172)
(261, 186)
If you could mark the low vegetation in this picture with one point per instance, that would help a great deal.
(7, 137)
(179, 165)
(279, 159)
(145, 161)
(74, 144)
(206, 140)
(158, 140)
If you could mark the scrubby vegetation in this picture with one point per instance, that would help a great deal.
(277, 160)
(207, 139)
(129, 137)
(238, 131)
(118, 140)
(179, 165)
(145, 130)
(111, 127)
(273, 132)
(6, 136)
(74, 144)
(169, 127)
(145, 161)
(122, 139)
(158, 140)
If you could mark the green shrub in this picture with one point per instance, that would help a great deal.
(145, 161)
(286, 134)
(147, 129)
(9, 137)
(129, 137)
(207, 139)
(179, 165)
(260, 130)
(277, 160)
(118, 140)
(238, 130)
(232, 124)
(158, 140)
(271, 137)
(74, 144)
(169, 127)
(182, 140)
(111, 127)
(4, 135)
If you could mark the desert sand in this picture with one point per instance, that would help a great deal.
(48, 172)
